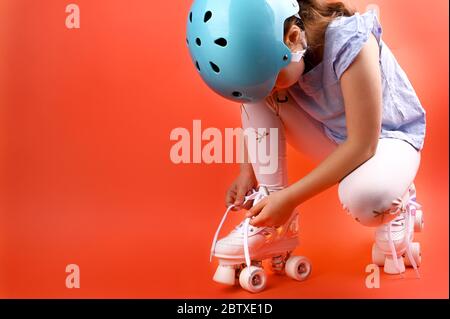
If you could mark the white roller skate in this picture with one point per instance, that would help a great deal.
(394, 247)
(242, 252)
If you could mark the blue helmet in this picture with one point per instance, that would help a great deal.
(237, 46)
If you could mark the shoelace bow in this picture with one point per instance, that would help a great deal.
(411, 208)
(256, 196)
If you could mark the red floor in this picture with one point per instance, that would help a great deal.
(122, 254)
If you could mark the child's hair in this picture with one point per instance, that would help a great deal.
(316, 15)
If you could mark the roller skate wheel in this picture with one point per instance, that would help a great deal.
(225, 275)
(418, 221)
(378, 256)
(416, 252)
(390, 267)
(253, 279)
(298, 268)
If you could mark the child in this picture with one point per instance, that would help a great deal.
(346, 103)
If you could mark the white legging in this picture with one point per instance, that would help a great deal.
(365, 192)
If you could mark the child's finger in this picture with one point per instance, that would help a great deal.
(251, 213)
(255, 210)
(240, 196)
(230, 197)
(258, 221)
(247, 205)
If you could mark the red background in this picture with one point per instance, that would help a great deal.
(86, 176)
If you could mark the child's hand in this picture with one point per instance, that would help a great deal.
(272, 211)
(244, 183)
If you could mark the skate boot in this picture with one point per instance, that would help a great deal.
(394, 247)
(416, 210)
(242, 252)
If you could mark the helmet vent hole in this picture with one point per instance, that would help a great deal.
(208, 16)
(214, 67)
(197, 65)
(285, 57)
(221, 41)
(190, 16)
(198, 41)
(236, 94)
(187, 41)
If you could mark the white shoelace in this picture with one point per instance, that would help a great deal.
(256, 196)
(411, 208)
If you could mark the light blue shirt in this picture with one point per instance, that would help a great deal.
(318, 91)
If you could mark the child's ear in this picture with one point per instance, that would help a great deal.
(293, 37)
